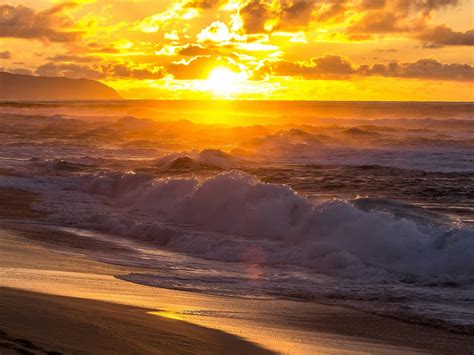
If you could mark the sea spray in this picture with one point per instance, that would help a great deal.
(333, 237)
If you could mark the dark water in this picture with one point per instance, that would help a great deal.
(449, 193)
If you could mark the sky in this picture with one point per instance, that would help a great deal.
(386, 50)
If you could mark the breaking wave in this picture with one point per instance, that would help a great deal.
(272, 224)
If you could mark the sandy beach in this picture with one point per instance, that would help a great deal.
(55, 299)
(72, 325)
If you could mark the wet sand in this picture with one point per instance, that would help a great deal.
(58, 300)
(44, 323)
(16, 204)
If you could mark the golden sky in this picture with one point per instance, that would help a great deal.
(253, 49)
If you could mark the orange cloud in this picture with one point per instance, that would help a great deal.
(100, 70)
(444, 36)
(51, 24)
(74, 58)
(200, 67)
(326, 67)
(422, 69)
(70, 70)
(5, 55)
(193, 50)
(333, 67)
(205, 4)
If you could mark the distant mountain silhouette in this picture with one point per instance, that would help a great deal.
(31, 88)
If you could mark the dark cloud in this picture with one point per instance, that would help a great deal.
(336, 67)
(406, 6)
(205, 4)
(333, 64)
(432, 69)
(70, 70)
(331, 10)
(444, 36)
(287, 15)
(422, 69)
(74, 58)
(427, 5)
(122, 71)
(23, 71)
(95, 72)
(98, 48)
(382, 50)
(327, 67)
(193, 50)
(372, 4)
(5, 55)
(376, 23)
(407, 17)
(255, 15)
(199, 67)
(50, 24)
(295, 15)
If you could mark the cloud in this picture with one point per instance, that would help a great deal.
(326, 67)
(372, 4)
(405, 7)
(297, 15)
(377, 16)
(173, 16)
(254, 16)
(205, 4)
(216, 32)
(428, 6)
(422, 69)
(70, 70)
(52, 24)
(199, 68)
(444, 36)
(98, 48)
(103, 71)
(377, 22)
(408, 18)
(217, 39)
(382, 50)
(22, 71)
(5, 55)
(332, 10)
(261, 16)
(333, 67)
(123, 71)
(193, 50)
(234, 20)
(73, 58)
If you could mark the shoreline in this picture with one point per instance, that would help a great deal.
(289, 326)
(58, 324)
(34, 267)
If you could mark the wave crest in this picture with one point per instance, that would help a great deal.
(334, 237)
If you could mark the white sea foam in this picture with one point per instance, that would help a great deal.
(333, 237)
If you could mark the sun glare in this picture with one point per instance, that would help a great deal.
(222, 80)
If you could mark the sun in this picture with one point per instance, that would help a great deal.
(222, 80)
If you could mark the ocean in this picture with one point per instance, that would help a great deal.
(369, 205)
